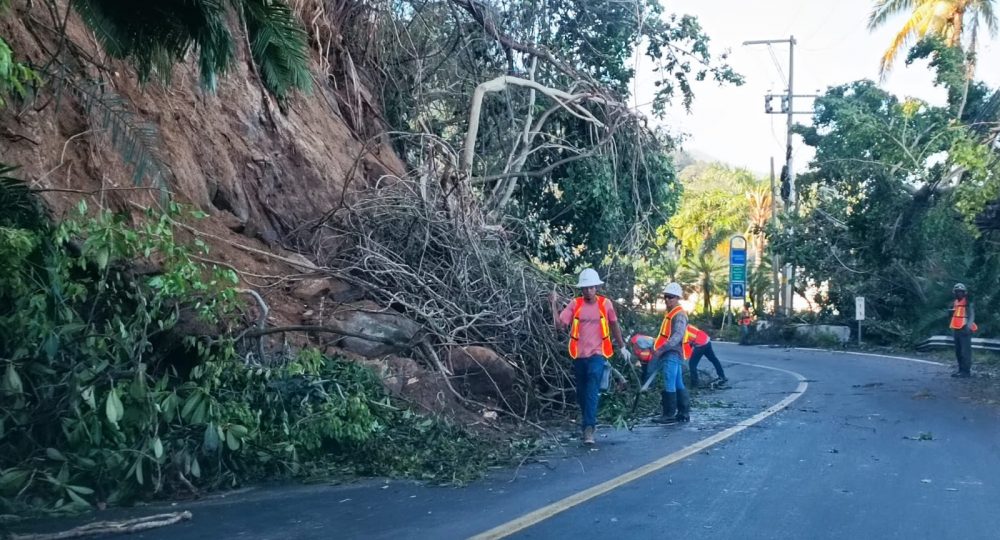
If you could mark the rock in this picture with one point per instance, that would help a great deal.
(343, 292)
(311, 289)
(842, 334)
(481, 372)
(366, 318)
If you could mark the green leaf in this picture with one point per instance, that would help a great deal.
(88, 397)
(157, 447)
(138, 470)
(195, 468)
(82, 490)
(12, 480)
(113, 407)
(12, 381)
(54, 454)
(138, 386)
(102, 258)
(76, 498)
(231, 441)
(189, 405)
(211, 438)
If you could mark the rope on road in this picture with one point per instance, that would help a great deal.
(111, 527)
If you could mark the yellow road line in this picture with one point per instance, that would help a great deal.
(545, 512)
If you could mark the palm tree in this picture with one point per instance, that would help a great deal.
(759, 201)
(154, 36)
(942, 18)
(707, 271)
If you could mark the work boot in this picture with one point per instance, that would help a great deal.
(683, 406)
(588, 435)
(669, 402)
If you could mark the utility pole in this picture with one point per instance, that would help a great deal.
(775, 260)
(787, 173)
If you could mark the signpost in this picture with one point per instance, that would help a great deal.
(737, 269)
(859, 313)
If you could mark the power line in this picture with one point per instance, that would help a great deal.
(781, 72)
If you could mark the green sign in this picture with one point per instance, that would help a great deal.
(737, 274)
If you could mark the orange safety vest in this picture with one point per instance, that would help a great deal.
(697, 336)
(958, 315)
(665, 330)
(574, 335)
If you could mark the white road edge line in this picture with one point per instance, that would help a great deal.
(919, 361)
(527, 520)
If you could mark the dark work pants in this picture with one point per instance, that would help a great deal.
(963, 350)
(706, 351)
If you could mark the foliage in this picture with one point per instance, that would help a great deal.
(582, 189)
(117, 384)
(137, 141)
(15, 77)
(154, 36)
(883, 207)
(717, 203)
(942, 19)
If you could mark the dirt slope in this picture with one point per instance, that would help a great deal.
(260, 172)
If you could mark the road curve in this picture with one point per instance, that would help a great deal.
(875, 448)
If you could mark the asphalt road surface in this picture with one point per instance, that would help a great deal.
(867, 447)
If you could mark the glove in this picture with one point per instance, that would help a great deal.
(626, 354)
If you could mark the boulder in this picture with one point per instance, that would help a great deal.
(312, 289)
(481, 372)
(385, 325)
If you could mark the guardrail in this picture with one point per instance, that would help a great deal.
(949, 341)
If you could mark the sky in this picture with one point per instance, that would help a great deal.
(833, 47)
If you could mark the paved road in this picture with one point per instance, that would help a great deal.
(874, 448)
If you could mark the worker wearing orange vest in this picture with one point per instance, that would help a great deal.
(592, 322)
(673, 344)
(963, 324)
(746, 320)
(703, 347)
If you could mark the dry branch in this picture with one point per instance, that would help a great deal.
(461, 281)
(110, 527)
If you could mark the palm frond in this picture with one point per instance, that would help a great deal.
(19, 208)
(887, 8)
(278, 44)
(138, 142)
(921, 22)
(156, 35)
(987, 14)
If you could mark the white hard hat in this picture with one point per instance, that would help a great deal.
(673, 289)
(589, 278)
(959, 287)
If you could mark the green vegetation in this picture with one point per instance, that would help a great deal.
(119, 384)
(717, 203)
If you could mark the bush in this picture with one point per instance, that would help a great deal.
(103, 401)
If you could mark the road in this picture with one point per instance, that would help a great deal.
(873, 447)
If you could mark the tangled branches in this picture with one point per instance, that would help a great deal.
(462, 281)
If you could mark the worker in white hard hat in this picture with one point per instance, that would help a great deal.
(592, 323)
(963, 324)
(671, 349)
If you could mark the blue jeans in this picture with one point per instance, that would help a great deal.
(588, 373)
(673, 372)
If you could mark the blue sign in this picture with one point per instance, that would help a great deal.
(737, 290)
(738, 257)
